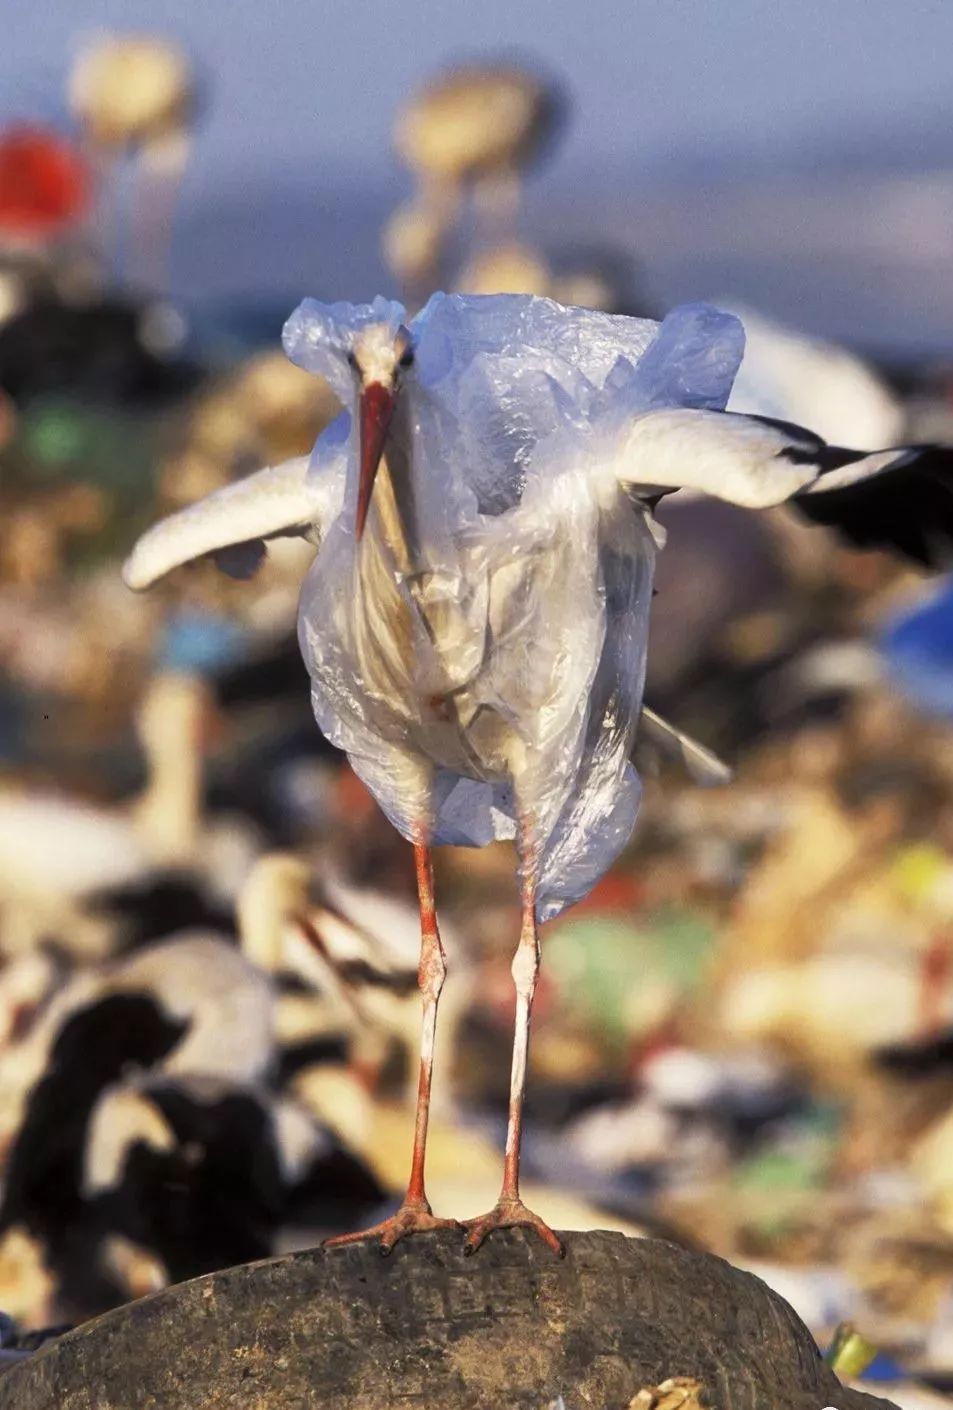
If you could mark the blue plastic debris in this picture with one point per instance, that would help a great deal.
(917, 648)
(200, 643)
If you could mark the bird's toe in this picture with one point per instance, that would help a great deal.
(409, 1219)
(509, 1214)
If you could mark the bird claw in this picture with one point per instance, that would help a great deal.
(409, 1219)
(509, 1214)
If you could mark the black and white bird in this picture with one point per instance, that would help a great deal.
(475, 621)
(102, 879)
(204, 1173)
(345, 960)
(144, 1142)
(219, 1004)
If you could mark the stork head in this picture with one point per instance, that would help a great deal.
(379, 358)
(364, 351)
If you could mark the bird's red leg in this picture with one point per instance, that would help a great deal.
(415, 1213)
(510, 1209)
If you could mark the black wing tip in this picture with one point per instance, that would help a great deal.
(904, 507)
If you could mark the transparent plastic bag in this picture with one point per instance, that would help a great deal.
(494, 671)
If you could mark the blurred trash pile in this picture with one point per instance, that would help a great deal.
(743, 1038)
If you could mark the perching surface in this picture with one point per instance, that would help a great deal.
(512, 1328)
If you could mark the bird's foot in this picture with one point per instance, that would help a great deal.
(409, 1219)
(509, 1214)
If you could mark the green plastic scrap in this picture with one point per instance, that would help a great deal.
(850, 1353)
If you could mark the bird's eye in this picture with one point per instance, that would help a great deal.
(407, 358)
(352, 359)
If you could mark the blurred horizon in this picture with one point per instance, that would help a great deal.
(796, 159)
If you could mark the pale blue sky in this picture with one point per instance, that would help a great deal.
(816, 108)
(315, 82)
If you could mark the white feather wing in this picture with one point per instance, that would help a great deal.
(737, 458)
(282, 499)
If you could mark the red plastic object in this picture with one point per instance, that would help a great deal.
(44, 184)
(614, 892)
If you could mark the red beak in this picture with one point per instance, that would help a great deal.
(376, 410)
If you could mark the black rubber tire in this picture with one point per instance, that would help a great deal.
(345, 1329)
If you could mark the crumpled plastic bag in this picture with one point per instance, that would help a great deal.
(497, 674)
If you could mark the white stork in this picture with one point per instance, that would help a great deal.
(475, 620)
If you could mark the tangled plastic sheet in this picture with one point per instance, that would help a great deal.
(480, 653)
